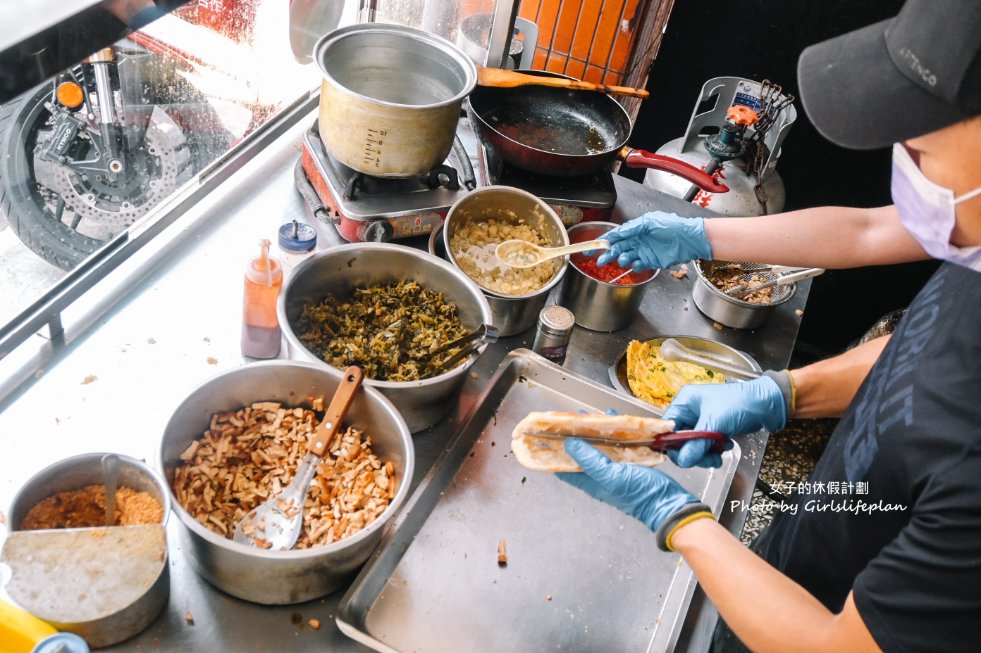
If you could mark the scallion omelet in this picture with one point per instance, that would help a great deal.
(656, 380)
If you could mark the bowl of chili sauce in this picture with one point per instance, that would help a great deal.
(597, 297)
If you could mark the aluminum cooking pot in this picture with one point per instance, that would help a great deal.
(390, 98)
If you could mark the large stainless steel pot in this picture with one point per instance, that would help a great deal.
(390, 98)
(338, 270)
(282, 577)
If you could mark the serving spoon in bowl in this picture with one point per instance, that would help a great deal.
(522, 254)
(276, 523)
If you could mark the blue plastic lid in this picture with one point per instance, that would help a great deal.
(297, 237)
(61, 642)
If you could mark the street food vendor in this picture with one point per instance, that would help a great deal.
(891, 559)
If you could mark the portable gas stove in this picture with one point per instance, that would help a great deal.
(366, 208)
(574, 199)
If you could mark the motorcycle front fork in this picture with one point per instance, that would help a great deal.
(101, 62)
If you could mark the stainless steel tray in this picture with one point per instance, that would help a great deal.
(580, 576)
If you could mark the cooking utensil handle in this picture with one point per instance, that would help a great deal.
(675, 439)
(644, 159)
(575, 248)
(500, 78)
(339, 404)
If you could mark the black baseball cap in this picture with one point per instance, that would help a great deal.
(897, 79)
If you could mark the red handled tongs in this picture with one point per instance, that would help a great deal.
(672, 440)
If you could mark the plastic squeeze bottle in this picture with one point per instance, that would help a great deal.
(260, 327)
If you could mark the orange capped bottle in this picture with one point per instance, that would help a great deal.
(260, 327)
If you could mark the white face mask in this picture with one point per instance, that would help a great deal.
(927, 211)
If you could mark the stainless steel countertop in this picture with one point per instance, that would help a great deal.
(171, 318)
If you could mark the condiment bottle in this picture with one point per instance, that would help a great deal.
(296, 240)
(555, 324)
(261, 334)
(20, 631)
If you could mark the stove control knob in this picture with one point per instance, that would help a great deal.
(378, 231)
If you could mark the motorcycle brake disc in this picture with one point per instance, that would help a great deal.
(162, 156)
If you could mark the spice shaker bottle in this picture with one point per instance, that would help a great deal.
(261, 336)
(555, 324)
(296, 240)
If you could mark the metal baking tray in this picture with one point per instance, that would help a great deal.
(580, 575)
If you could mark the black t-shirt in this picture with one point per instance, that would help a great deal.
(893, 508)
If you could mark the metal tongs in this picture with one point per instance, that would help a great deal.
(784, 276)
(468, 345)
(671, 440)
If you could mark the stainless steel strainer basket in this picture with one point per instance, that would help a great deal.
(730, 311)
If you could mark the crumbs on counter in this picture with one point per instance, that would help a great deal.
(799, 313)
(90, 378)
(189, 618)
(502, 553)
(548, 597)
(681, 272)
(314, 623)
(717, 326)
(212, 360)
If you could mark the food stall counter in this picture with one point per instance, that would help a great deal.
(170, 318)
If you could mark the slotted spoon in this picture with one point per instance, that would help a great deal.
(276, 524)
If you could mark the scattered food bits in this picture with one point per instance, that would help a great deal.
(189, 618)
(717, 326)
(502, 553)
(39, 374)
(799, 313)
(523, 479)
(680, 273)
(89, 379)
(474, 375)
(314, 623)
(212, 360)
(548, 597)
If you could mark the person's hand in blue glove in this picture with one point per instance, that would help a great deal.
(646, 494)
(656, 240)
(733, 408)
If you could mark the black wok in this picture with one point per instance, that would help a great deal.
(565, 133)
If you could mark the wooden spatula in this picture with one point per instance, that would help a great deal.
(500, 78)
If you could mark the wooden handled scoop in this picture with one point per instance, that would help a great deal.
(276, 524)
(500, 78)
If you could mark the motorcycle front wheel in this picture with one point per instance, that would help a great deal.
(34, 212)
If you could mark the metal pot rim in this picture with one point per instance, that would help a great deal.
(468, 67)
(701, 279)
(611, 225)
(142, 466)
(213, 538)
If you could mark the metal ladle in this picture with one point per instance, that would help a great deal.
(672, 350)
(522, 254)
(276, 523)
(110, 472)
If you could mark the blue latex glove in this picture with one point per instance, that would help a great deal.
(656, 240)
(646, 494)
(732, 408)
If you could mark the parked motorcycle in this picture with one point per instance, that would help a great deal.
(84, 156)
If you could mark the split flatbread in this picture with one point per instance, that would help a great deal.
(548, 454)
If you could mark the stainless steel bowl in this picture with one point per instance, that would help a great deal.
(599, 305)
(513, 314)
(337, 271)
(730, 311)
(99, 625)
(282, 577)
